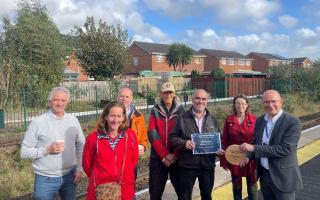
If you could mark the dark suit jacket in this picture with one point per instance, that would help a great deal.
(281, 151)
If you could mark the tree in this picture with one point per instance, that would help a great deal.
(288, 80)
(218, 72)
(179, 54)
(32, 51)
(194, 74)
(103, 49)
(310, 82)
(8, 61)
(281, 78)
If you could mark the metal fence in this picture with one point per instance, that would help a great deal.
(88, 98)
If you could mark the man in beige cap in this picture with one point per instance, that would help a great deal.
(163, 158)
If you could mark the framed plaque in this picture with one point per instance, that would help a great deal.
(206, 143)
(235, 155)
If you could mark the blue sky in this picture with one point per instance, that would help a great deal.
(286, 27)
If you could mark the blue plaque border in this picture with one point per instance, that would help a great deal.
(206, 143)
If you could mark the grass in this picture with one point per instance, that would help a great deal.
(16, 176)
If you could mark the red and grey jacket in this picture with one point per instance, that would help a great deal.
(161, 123)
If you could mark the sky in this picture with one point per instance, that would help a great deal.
(289, 28)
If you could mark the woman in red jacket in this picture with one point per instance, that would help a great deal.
(111, 152)
(238, 128)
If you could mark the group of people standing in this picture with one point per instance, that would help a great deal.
(110, 153)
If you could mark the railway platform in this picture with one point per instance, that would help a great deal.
(309, 161)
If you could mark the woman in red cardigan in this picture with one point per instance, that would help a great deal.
(111, 152)
(238, 128)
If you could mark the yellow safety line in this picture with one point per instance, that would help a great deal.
(305, 153)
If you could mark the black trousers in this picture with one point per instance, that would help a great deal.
(187, 179)
(158, 176)
(269, 190)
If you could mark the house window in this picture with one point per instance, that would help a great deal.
(135, 61)
(159, 58)
(223, 61)
(248, 62)
(71, 77)
(241, 62)
(230, 61)
(197, 60)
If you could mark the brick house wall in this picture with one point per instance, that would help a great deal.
(212, 61)
(148, 61)
(231, 69)
(165, 67)
(73, 64)
(144, 60)
(259, 63)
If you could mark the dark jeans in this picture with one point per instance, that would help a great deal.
(269, 190)
(187, 179)
(252, 189)
(158, 176)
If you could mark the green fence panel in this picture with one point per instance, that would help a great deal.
(219, 89)
(1, 118)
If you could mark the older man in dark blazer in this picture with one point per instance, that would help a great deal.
(275, 147)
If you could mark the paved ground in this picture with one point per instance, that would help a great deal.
(309, 161)
(311, 180)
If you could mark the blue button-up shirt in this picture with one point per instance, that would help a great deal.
(267, 134)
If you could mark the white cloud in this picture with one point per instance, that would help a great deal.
(260, 8)
(174, 8)
(234, 10)
(137, 37)
(253, 15)
(306, 33)
(259, 25)
(68, 13)
(136, 23)
(7, 7)
(302, 42)
(307, 41)
(210, 33)
(227, 11)
(190, 33)
(288, 21)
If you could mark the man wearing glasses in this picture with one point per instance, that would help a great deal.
(197, 119)
(276, 137)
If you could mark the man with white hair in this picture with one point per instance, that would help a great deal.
(55, 142)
